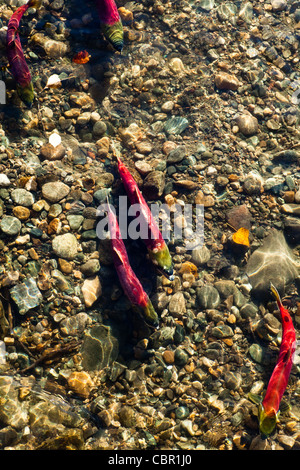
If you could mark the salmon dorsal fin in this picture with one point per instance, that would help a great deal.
(118, 254)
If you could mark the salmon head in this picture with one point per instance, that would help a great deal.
(267, 420)
(26, 94)
(150, 314)
(163, 262)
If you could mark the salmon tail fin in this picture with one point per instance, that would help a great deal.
(276, 294)
(35, 3)
(116, 153)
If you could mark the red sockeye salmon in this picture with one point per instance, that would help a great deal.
(128, 279)
(15, 55)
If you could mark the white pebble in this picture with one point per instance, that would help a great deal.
(4, 180)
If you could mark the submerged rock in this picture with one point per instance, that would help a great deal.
(65, 246)
(100, 348)
(26, 295)
(272, 262)
(91, 290)
(176, 125)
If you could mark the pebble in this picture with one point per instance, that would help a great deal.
(233, 380)
(226, 81)
(253, 184)
(176, 155)
(91, 267)
(176, 65)
(22, 213)
(247, 124)
(272, 262)
(55, 191)
(144, 147)
(143, 167)
(80, 383)
(154, 184)
(176, 125)
(99, 349)
(99, 128)
(208, 297)
(177, 304)
(181, 357)
(127, 416)
(286, 441)
(200, 255)
(91, 290)
(49, 152)
(10, 225)
(168, 356)
(22, 197)
(239, 216)
(4, 181)
(278, 5)
(26, 295)
(65, 246)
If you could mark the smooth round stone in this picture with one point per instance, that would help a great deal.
(249, 310)
(65, 246)
(177, 304)
(22, 213)
(200, 255)
(54, 211)
(168, 356)
(226, 81)
(208, 297)
(246, 12)
(176, 65)
(91, 267)
(272, 261)
(55, 191)
(167, 106)
(225, 288)
(222, 331)
(253, 184)
(75, 221)
(51, 152)
(247, 124)
(10, 225)
(182, 412)
(278, 5)
(99, 128)
(84, 119)
(206, 5)
(22, 197)
(257, 353)
(176, 155)
(4, 180)
(144, 147)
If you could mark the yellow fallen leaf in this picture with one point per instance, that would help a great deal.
(241, 237)
(188, 267)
